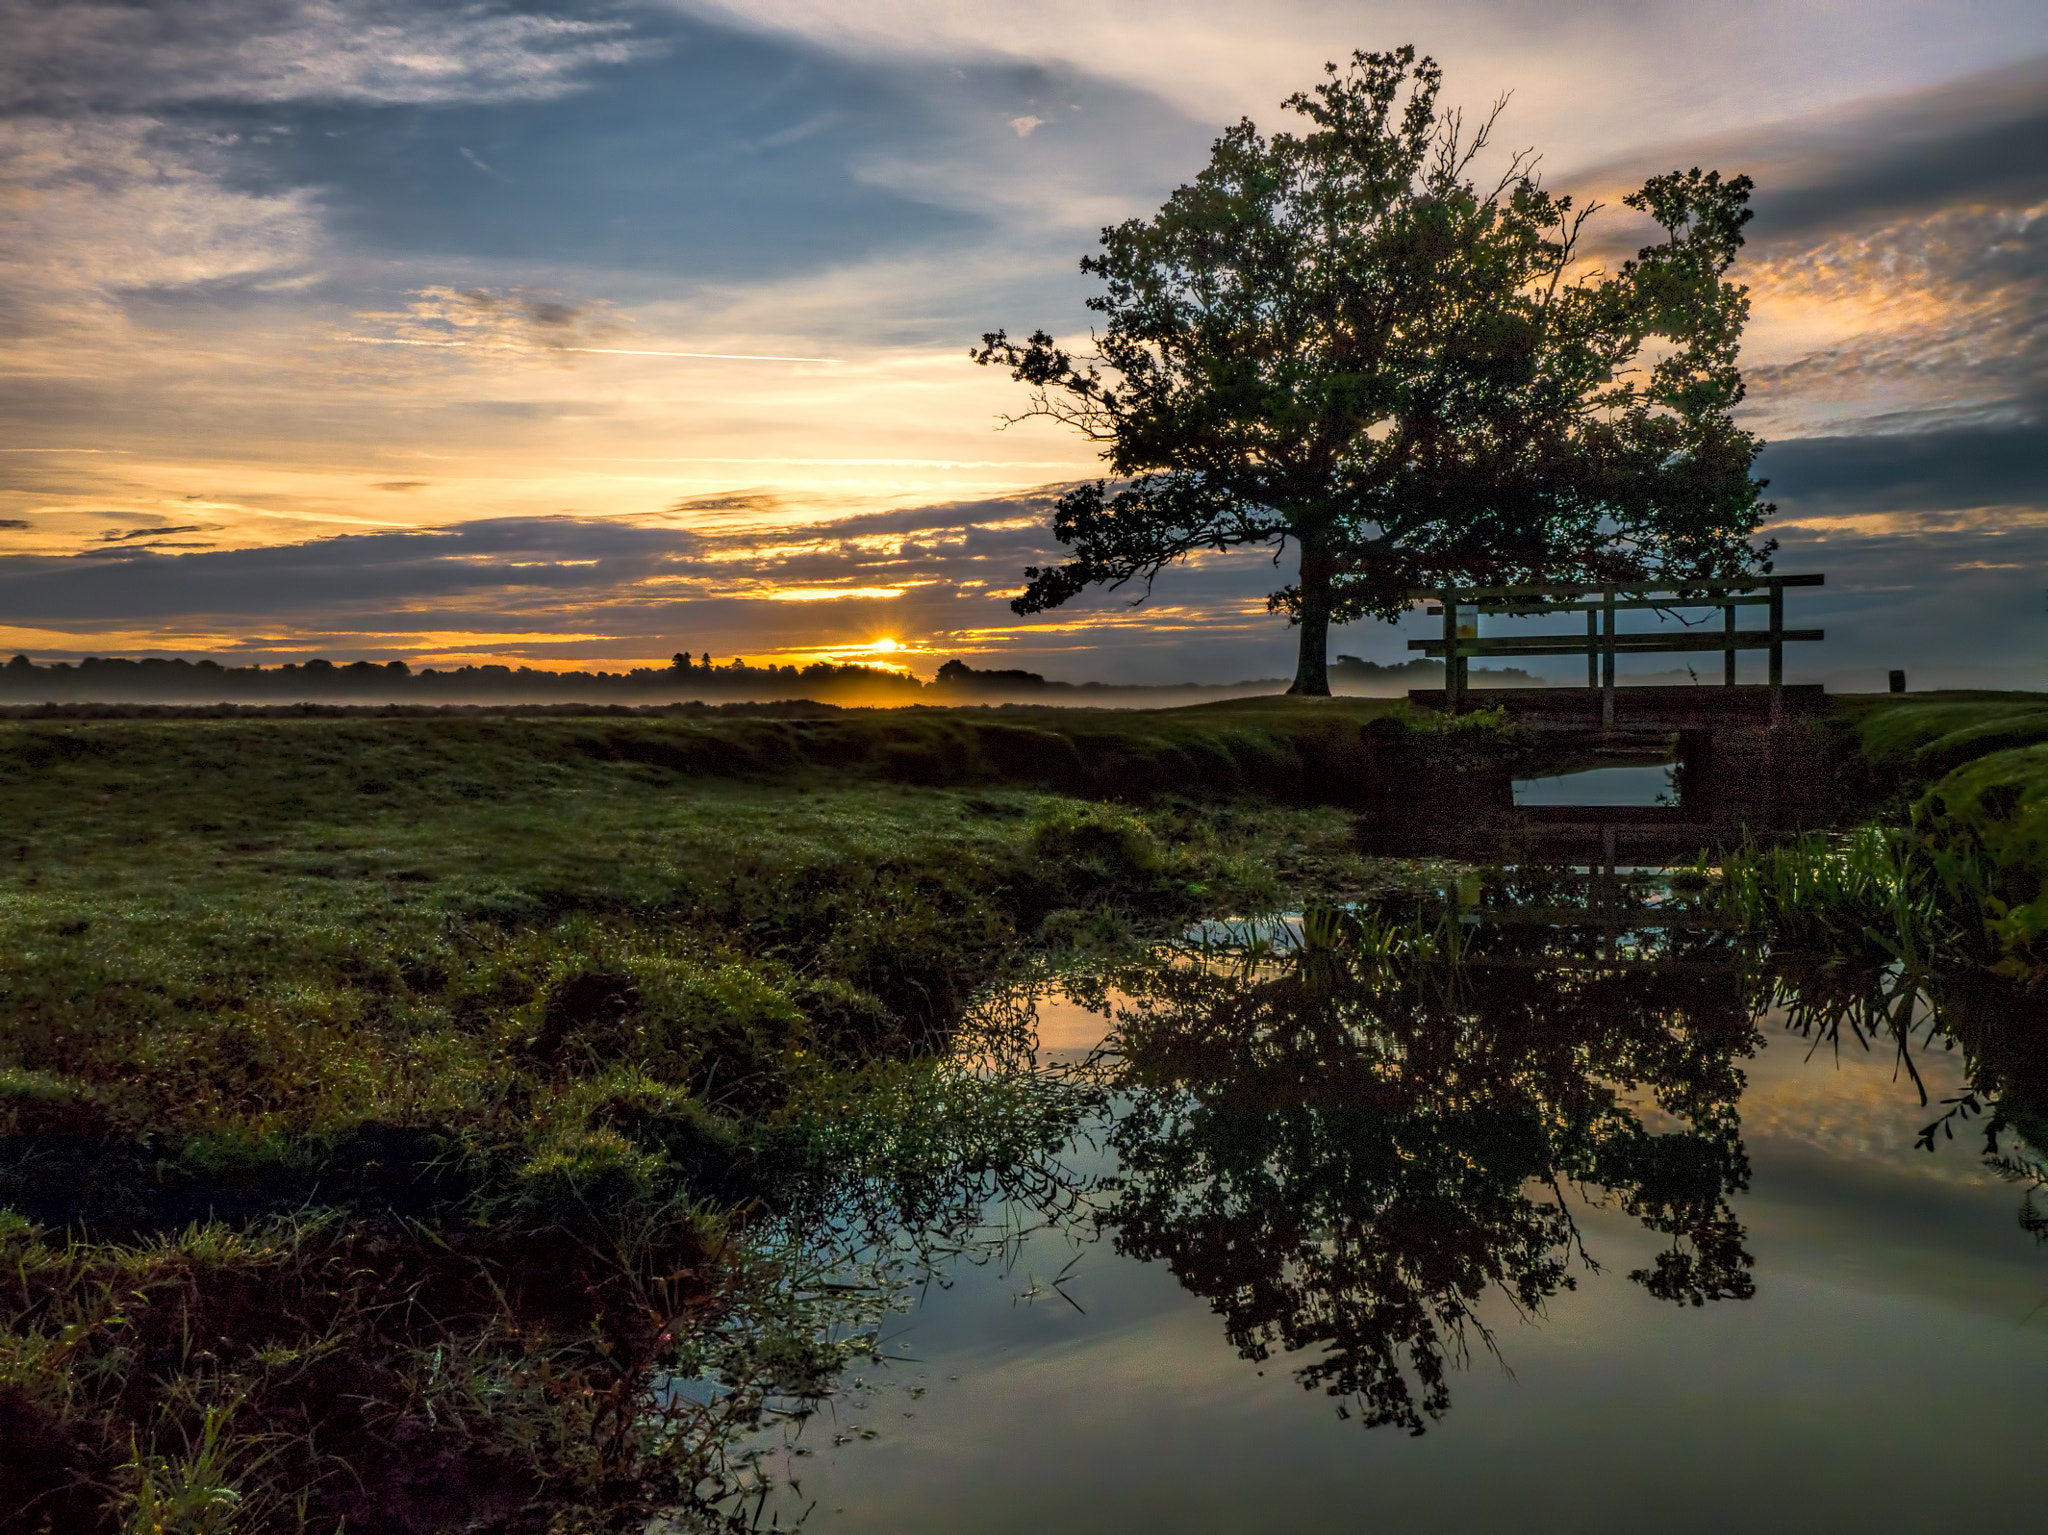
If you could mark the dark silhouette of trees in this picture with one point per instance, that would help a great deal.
(1338, 339)
(154, 678)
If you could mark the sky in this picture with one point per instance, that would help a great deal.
(577, 334)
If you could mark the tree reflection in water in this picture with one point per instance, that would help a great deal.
(1345, 1141)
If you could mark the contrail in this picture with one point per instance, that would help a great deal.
(610, 351)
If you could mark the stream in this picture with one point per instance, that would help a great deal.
(1551, 1208)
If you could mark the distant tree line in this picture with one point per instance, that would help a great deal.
(118, 678)
(115, 679)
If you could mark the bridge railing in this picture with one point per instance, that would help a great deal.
(1461, 607)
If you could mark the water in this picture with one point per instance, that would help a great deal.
(1893, 1353)
(1586, 1239)
(1600, 786)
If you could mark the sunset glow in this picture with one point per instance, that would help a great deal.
(406, 360)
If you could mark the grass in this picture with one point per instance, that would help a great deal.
(1907, 742)
(1299, 751)
(403, 1117)
(1929, 920)
(1919, 936)
(1967, 776)
(390, 1106)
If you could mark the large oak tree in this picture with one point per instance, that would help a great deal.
(1337, 340)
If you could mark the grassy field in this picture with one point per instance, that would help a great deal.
(386, 1103)
(1292, 750)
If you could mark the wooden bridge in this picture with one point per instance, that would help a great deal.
(1604, 642)
(1745, 765)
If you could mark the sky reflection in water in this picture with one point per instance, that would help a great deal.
(1722, 1286)
(1600, 786)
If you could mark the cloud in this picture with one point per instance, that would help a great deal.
(558, 214)
(1977, 141)
(183, 274)
(354, 573)
(738, 502)
(709, 153)
(102, 206)
(1943, 316)
(513, 320)
(931, 577)
(1899, 259)
(121, 535)
(71, 55)
(1955, 469)
(1871, 158)
(1586, 76)
(935, 579)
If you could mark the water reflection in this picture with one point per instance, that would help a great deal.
(1374, 1141)
(1637, 785)
(1345, 1139)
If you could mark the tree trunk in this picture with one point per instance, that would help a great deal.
(1312, 668)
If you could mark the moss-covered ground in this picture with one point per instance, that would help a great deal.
(1907, 742)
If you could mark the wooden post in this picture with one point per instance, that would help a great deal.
(1728, 655)
(1451, 669)
(1607, 660)
(1777, 648)
(1592, 649)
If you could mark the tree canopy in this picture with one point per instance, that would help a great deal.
(1337, 339)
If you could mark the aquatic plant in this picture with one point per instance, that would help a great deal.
(1927, 936)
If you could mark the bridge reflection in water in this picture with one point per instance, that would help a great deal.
(1743, 769)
